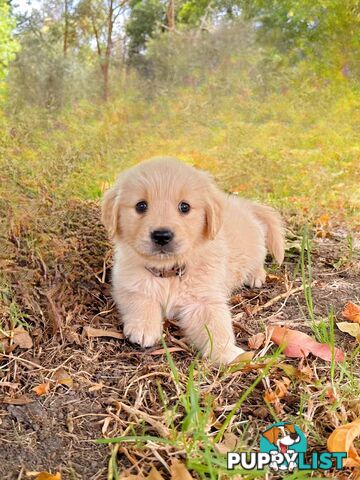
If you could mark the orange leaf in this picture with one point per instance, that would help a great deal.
(298, 344)
(42, 389)
(48, 476)
(341, 440)
(282, 387)
(351, 312)
(281, 391)
(270, 396)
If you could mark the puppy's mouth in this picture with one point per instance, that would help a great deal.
(162, 252)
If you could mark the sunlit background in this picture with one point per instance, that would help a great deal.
(263, 94)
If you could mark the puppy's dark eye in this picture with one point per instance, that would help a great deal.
(141, 207)
(184, 207)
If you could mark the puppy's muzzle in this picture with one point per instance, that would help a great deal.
(162, 236)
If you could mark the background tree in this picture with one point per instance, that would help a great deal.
(325, 30)
(103, 18)
(8, 46)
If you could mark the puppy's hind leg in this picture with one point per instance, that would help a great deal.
(256, 278)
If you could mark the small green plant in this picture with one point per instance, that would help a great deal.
(323, 328)
(193, 433)
(113, 472)
(16, 316)
(306, 274)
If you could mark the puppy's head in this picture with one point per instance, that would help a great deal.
(163, 208)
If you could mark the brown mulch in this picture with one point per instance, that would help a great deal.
(55, 280)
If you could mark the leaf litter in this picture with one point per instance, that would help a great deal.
(107, 371)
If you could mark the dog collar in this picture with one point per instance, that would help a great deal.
(175, 271)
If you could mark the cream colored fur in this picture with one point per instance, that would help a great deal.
(222, 242)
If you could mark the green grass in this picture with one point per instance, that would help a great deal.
(297, 151)
(192, 435)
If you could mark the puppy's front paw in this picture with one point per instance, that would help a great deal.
(229, 354)
(145, 334)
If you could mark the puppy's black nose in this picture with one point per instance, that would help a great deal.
(162, 237)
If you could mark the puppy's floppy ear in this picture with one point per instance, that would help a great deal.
(214, 208)
(110, 211)
(272, 434)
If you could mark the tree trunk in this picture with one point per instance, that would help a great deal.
(66, 27)
(106, 60)
(170, 15)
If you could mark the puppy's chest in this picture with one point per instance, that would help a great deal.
(169, 292)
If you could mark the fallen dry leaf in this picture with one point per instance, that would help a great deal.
(63, 378)
(9, 385)
(281, 390)
(72, 336)
(96, 387)
(352, 329)
(341, 440)
(154, 475)
(179, 471)
(20, 400)
(304, 372)
(298, 344)
(21, 338)
(229, 443)
(272, 278)
(351, 312)
(282, 386)
(43, 475)
(161, 351)
(101, 332)
(256, 341)
(270, 396)
(243, 357)
(42, 389)
(48, 476)
(330, 395)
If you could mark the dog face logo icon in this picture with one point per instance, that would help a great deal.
(284, 441)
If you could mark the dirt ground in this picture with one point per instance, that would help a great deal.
(56, 281)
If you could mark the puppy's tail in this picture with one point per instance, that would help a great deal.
(275, 235)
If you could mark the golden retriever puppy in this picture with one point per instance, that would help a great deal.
(181, 246)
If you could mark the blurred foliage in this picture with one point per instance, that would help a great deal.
(326, 32)
(266, 95)
(8, 45)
